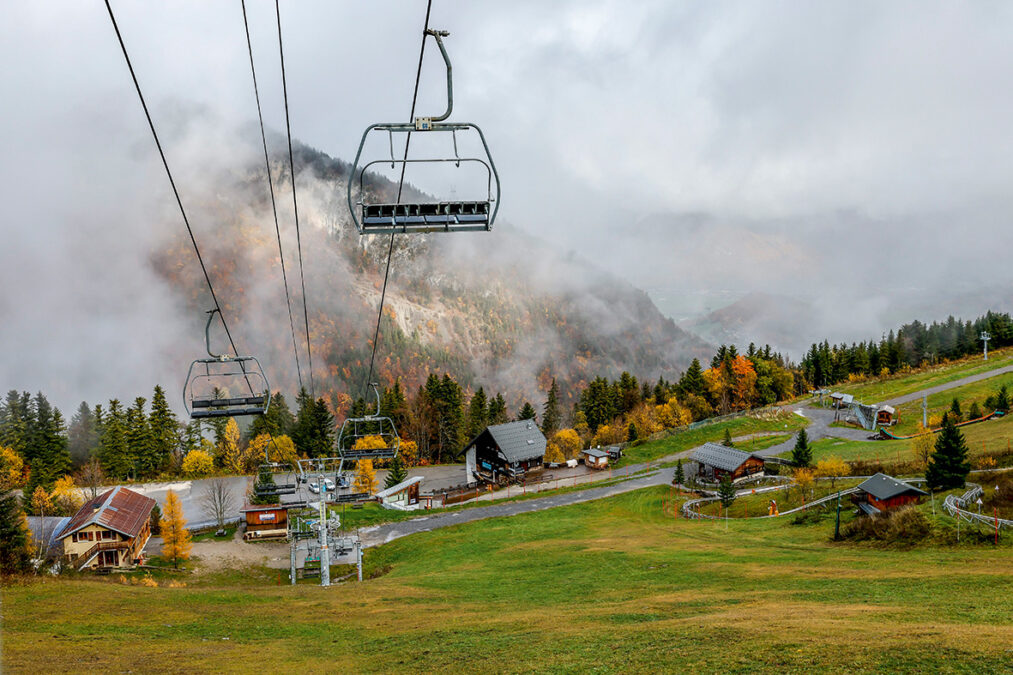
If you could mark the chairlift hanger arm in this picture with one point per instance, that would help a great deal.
(423, 123)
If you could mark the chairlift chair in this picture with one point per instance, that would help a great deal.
(355, 428)
(210, 377)
(439, 216)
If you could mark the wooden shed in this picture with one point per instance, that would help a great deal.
(881, 492)
(265, 521)
(885, 416)
(404, 496)
(596, 459)
(716, 461)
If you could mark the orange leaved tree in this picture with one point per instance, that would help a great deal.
(176, 543)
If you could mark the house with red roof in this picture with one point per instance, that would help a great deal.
(109, 531)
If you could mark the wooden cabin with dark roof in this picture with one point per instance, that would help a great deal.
(110, 530)
(505, 453)
(881, 492)
(715, 462)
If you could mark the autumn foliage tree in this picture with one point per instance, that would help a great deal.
(11, 469)
(197, 464)
(176, 544)
(365, 476)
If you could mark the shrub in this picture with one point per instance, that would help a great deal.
(907, 526)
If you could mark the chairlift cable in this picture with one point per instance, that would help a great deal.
(295, 203)
(400, 187)
(172, 182)
(274, 205)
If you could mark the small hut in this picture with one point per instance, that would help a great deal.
(886, 415)
(716, 461)
(403, 497)
(265, 521)
(881, 493)
(595, 459)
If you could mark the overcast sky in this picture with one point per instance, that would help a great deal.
(607, 120)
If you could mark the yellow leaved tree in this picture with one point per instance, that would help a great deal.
(409, 452)
(832, 468)
(42, 505)
(233, 459)
(365, 476)
(553, 454)
(372, 442)
(923, 446)
(66, 497)
(176, 542)
(569, 443)
(11, 469)
(197, 464)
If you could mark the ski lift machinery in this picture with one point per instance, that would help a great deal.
(355, 428)
(210, 376)
(439, 216)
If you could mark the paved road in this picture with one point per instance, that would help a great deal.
(819, 427)
(970, 379)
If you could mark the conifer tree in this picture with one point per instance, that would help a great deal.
(114, 454)
(726, 491)
(974, 412)
(165, 433)
(728, 440)
(176, 542)
(802, 453)
(82, 435)
(15, 417)
(1002, 399)
(140, 440)
(323, 429)
(680, 474)
(692, 381)
(527, 412)
(948, 466)
(955, 409)
(15, 546)
(498, 410)
(49, 456)
(631, 432)
(397, 473)
(478, 414)
(302, 430)
(278, 421)
(550, 413)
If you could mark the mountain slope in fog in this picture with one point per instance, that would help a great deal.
(499, 309)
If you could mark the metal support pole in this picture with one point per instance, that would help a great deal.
(291, 561)
(837, 525)
(925, 412)
(325, 551)
(358, 557)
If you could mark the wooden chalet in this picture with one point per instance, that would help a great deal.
(505, 452)
(715, 461)
(886, 415)
(109, 531)
(881, 492)
(595, 459)
(264, 521)
(404, 496)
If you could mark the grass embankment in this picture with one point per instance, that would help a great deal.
(876, 390)
(687, 439)
(602, 586)
(789, 498)
(976, 392)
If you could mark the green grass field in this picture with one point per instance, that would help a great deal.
(596, 587)
(687, 439)
(874, 391)
(911, 413)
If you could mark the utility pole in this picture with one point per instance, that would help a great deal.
(925, 411)
(985, 337)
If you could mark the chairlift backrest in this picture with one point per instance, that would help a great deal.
(355, 428)
(439, 216)
(221, 385)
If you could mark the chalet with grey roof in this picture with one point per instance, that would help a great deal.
(505, 453)
(881, 492)
(715, 462)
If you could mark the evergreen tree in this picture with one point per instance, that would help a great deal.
(527, 412)
(82, 435)
(974, 412)
(165, 434)
(15, 554)
(478, 414)
(680, 474)
(277, 421)
(728, 439)
(155, 520)
(323, 429)
(955, 409)
(140, 440)
(948, 465)
(114, 454)
(631, 432)
(550, 413)
(49, 456)
(15, 417)
(726, 491)
(802, 453)
(397, 473)
(692, 381)
(498, 410)
(302, 430)
(1002, 399)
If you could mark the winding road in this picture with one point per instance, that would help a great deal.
(970, 379)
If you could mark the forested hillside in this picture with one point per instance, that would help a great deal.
(499, 309)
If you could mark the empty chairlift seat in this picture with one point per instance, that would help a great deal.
(426, 217)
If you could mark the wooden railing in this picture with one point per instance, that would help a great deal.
(101, 546)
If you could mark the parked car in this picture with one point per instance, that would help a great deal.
(329, 485)
(315, 488)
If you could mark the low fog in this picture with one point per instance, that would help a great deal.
(846, 160)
